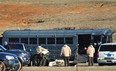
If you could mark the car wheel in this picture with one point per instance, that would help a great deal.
(20, 67)
(17, 68)
(2, 66)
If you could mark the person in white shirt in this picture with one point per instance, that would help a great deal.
(40, 56)
(66, 53)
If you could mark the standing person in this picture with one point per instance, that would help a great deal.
(90, 52)
(66, 53)
(6, 45)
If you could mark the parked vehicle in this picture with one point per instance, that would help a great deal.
(22, 46)
(9, 62)
(23, 56)
(107, 54)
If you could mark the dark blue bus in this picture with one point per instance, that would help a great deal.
(53, 40)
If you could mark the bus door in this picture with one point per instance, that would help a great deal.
(97, 40)
(0, 40)
(83, 41)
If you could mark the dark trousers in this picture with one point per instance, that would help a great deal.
(90, 61)
(39, 60)
(66, 61)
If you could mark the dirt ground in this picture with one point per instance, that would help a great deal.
(94, 68)
(80, 67)
(49, 16)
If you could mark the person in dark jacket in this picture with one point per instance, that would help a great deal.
(6, 45)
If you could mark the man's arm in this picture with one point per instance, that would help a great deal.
(69, 52)
(61, 51)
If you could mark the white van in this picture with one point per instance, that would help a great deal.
(107, 54)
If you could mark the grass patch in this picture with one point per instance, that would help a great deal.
(114, 37)
(55, 2)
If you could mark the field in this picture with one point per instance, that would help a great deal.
(50, 14)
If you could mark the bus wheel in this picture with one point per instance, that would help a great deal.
(2, 66)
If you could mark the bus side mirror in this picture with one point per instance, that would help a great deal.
(1, 50)
(29, 50)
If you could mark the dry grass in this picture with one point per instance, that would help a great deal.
(50, 14)
(56, 1)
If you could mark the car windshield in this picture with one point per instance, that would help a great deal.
(108, 48)
(15, 46)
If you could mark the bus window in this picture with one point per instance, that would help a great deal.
(69, 40)
(33, 40)
(24, 40)
(59, 40)
(109, 38)
(50, 40)
(42, 40)
(97, 38)
(16, 40)
(104, 39)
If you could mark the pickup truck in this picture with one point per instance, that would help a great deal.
(9, 62)
(23, 56)
(22, 46)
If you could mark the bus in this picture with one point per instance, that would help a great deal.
(54, 39)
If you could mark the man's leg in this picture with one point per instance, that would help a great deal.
(89, 61)
(68, 61)
(35, 60)
(40, 59)
(92, 62)
(43, 61)
(65, 61)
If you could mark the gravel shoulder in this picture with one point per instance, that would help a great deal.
(80, 67)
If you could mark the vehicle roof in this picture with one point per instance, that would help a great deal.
(15, 43)
(109, 43)
(102, 31)
(7, 53)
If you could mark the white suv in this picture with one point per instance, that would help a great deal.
(107, 54)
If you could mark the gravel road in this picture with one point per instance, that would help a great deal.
(81, 67)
